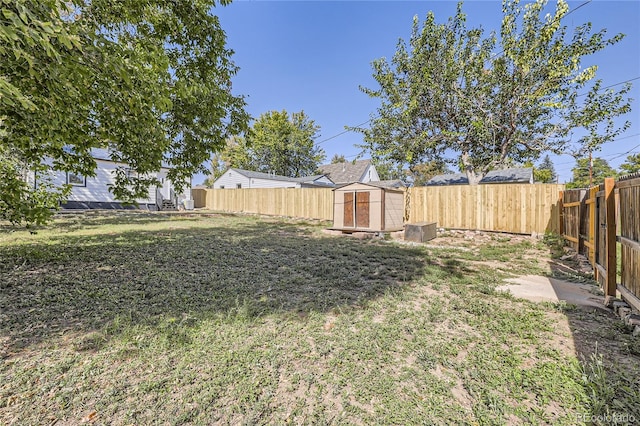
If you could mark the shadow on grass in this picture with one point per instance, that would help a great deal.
(82, 283)
(609, 354)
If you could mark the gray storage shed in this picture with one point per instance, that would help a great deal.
(369, 207)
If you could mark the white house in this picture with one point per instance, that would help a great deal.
(93, 192)
(238, 178)
(352, 171)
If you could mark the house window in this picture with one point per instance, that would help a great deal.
(76, 179)
(238, 185)
(132, 174)
(221, 186)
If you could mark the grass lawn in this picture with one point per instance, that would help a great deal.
(150, 319)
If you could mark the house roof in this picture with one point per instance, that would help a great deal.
(104, 154)
(269, 176)
(308, 178)
(514, 175)
(346, 172)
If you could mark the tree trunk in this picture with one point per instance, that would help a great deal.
(473, 177)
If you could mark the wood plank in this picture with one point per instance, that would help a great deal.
(570, 238)
(589, 244)
(362, 209)
(628, 183)
(560, 218)
(629, 297)
(572, 204)
(610, 236)
(348, 218)
(629, 243)
(602, 271)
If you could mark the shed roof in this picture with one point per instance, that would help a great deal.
(350, 171)
(513, 175)
(393, 183)
(378, 185)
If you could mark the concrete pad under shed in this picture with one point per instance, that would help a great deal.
(542, 289)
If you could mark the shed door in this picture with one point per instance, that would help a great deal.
(362, 209)
(348, 209)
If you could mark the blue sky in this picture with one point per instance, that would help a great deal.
(313, 56)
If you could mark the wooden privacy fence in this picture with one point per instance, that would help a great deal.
(308, 203)
(516, 208)
(629, 223)
(590, 222)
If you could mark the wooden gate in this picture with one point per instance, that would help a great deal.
(589, 225)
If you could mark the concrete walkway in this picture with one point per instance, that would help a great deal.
(542, 289)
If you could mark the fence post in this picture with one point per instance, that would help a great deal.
(561, 213)
(610, 283)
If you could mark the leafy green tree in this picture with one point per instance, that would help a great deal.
(387, 170)
(218, 167)
(338, 159)
(149, 80)
(278, 142)
(489, 99)
(631, 165)
(20, 201)
(545, 172)
(600, 170)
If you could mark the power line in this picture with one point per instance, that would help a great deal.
(573, 10)
(610, 156)
(625, 153)
(613, 85)
(341, 133)
(607, 157)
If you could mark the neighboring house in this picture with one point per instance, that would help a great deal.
(238, 178)
(93, 192)
(348, 172)
(515, 175)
